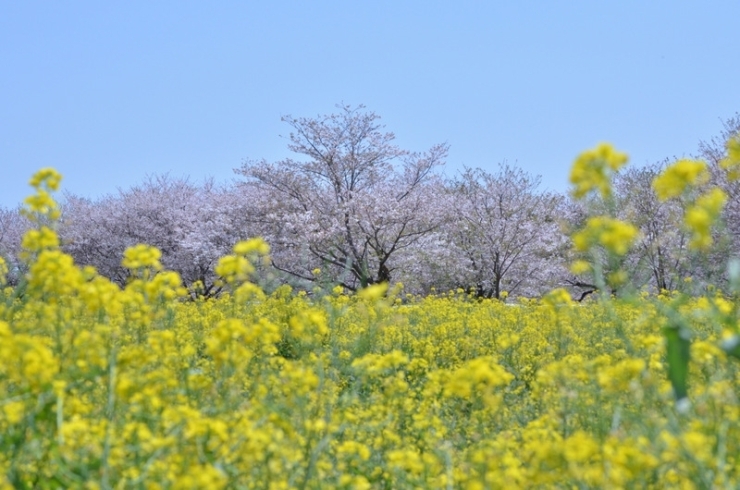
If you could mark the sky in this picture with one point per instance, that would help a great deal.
(109, 93)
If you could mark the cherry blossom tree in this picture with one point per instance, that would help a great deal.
(192, 226)
(660, 257)
(714, 151)
(12, 227)
(351, 205)
(507, 231)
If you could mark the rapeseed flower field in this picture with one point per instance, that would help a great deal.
(141, 387)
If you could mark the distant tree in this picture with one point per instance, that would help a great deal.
(432, 266)
(714, 151)
(574, 214)
(507, 231)
(192, 226)
(352, 205)
(660, 257)
(12, 227)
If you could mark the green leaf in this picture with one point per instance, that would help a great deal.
(677, 354)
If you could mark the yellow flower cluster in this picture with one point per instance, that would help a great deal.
(702, 215)
(142, 257)
(252, 246)
(373, 292)
(731, 162)
(592, 170)
(236, 268)
(614, 235)
(705, 211)
(105, 387)
(374, 364)
(478, 377)
(47, 179)
(41, 205)
(675, 179)
(35, 241)
(557, 297)
(3, 272)
(344, 392)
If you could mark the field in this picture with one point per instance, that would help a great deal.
(103, 388)
(144, 387)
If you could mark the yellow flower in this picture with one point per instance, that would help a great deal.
(373, 364)
(42, 239)
(247, 291)
(617, 278)
(443, 391)
(253, 245)
(357, 482)
(614, 235)
(373, 292)
(46, 177)
(593, 168)
(557, 297)
(580, 267)
(675, 179)
(580, 447)
(702, 215)
(354, 448)
(201, 476)
(408, 460)
(617, 377)
(699, 445)
(54, 273)
(3, 271)
(166, 285)
(14, 411)
(142, 256)
(42, 203)
(234, 268)
(477, 377)
(732, 161)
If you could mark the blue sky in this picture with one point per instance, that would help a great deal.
(109, 92)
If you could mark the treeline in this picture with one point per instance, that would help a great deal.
(353, 209)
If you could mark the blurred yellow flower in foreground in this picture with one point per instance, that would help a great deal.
(142, 256)
(614, 235)
(731, 162)
(674, 180)
(702, 215)
(593, 168)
